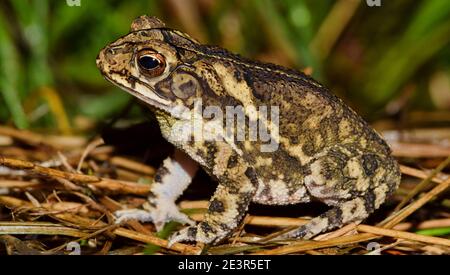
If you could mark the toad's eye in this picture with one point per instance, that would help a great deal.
(151, 63)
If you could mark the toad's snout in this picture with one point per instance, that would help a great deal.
(100, 61)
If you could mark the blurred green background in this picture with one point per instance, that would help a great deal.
(390, 63)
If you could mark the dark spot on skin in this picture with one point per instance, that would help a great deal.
(308, 149)
(291, 160)
(162, 171)
(122, 73)
(151, 195)
(200, 153)
(339, 158)
(192, 232)
(232, 161)
(328, 173)
(352, 148)
(158, 178)
(227, 64)
(393, 179)
(257, 91)
(224, 227)
(144, 33)
(206, 228)
(132, 80)
(301, 232)
(184, 84)
(356, 193)
(168, 36)
(191, 140)
(211, 150)
(369, 201)
(251, 175)
(233, 188)
(329, 127)
(290, 167)
(370, 164)
(334, 216)
(353, 209)
(187, 89)
(306, 170)
(243, 203)
(312, 183)
(238, 75)
(216, 206)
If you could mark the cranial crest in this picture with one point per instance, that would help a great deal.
(146, 22)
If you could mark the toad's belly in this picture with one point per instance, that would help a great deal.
(276, 192)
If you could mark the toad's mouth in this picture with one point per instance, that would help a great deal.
(157, 100)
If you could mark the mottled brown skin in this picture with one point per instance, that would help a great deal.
(326, 151)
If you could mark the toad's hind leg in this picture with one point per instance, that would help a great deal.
(349, 211)
(354, 182)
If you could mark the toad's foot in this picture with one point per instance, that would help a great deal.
(200, 233)
(159, 216)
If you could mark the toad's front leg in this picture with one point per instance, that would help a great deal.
(171, 179)
(226, 208)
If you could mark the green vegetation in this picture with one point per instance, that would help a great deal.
(370, 56)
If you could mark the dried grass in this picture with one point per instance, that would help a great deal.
(51, 188)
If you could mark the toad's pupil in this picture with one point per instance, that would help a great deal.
(148, 62)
